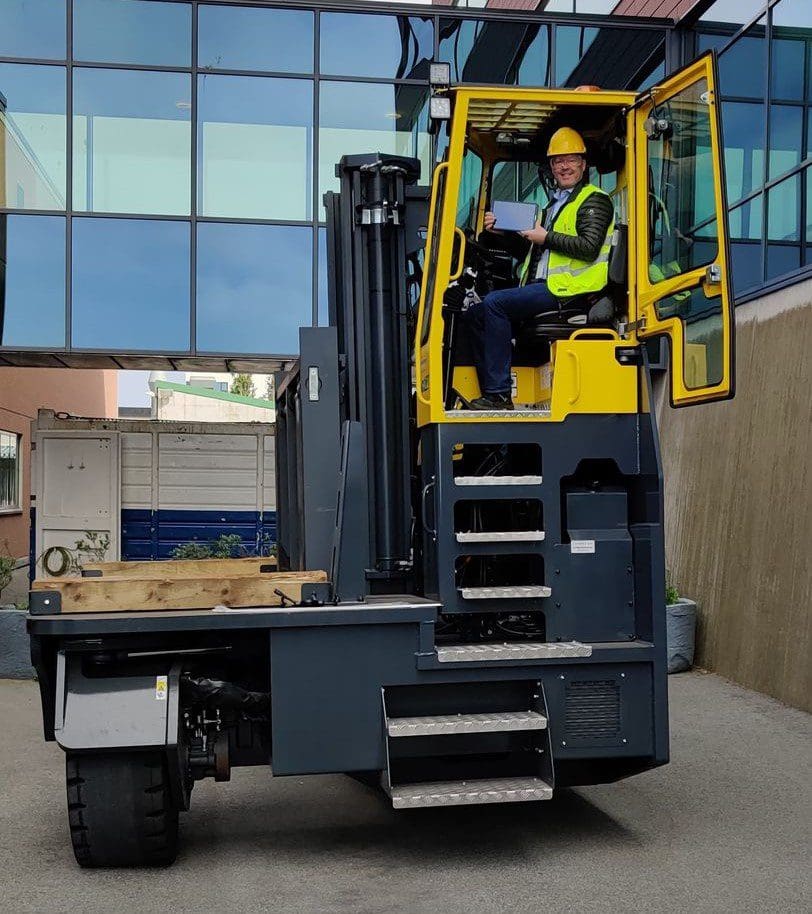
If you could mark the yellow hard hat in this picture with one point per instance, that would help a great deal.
(566, 141)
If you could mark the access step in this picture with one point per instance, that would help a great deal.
(468, 793)
(497, 480)
(507, 536)
(515, 592)
(506, 414)
(513, 650)
(444, 724)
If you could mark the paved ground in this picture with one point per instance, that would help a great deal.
(725, 827)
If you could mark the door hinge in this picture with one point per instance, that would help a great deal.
(624, 329)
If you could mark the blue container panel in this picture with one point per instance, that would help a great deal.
(156, 534)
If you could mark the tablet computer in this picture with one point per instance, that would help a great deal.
(514, 217)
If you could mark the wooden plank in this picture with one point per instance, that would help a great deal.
(117, 595)
(184, 568)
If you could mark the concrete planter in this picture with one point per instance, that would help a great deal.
(15, 657)
(680, 628)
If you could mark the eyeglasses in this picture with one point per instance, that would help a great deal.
(558, 161)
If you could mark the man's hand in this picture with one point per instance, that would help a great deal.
(489, 222)
(537, 235)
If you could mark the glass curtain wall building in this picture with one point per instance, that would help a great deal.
(162, 162)
(765, 71)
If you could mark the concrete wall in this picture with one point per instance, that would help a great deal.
(25, 390)
(738, 500)
(180, 406)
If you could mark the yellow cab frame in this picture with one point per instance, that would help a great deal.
(678, 286)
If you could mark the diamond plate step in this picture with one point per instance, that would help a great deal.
(466, 793)
(513, 650)
(497, 480)
(516, 592)
(506, 414)
(508, 536)
(438, 725)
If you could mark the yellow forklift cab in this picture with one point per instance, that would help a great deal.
(658, 154)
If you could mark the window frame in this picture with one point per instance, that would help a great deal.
(18, 508)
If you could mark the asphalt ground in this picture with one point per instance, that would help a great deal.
(725, 827)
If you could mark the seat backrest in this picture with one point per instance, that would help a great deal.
(618, 255)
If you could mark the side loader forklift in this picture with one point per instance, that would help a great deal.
(489, 622)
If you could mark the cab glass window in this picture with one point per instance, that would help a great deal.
(518, 182)
(682, 205)
(470, 181)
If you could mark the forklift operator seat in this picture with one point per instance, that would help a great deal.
(592, 309)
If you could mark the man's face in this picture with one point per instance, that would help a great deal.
(567, 170)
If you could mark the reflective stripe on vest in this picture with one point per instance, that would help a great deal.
(567, 276)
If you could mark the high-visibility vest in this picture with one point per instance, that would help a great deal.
(567, 276)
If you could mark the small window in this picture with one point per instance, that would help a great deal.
(9, 471)
(470, 180)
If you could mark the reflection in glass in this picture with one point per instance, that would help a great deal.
(746, 265)
(743, 66)
(488, 51)
(571, 43)
(255, 137)
(254, 287)
(744, 147)
(518, 182)
(130, 284)
(131, 141)
(32, 136)
(248, 38)
(703, 345)
(32, 281)
(609, 58)
(786, 132)
(371, 117)
(784, 227)
(32, 28)
(682, 191)
(357, 44)
(133, 31)
(468, 194)
(324, 304)
(787, 59)
(734, 11)
(745, 220)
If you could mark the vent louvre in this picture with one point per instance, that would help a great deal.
(592, 709)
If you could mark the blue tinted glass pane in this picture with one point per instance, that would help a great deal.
(784, 210)
(609, 58)
(367, 45)
(786, 126)
(33, 136)
(746, 220)
(743, 124)
(743, 66)
(246, 38)
(370, 117)
(254, 145)
(487, 51)
(782, 259)
(32, 281)
(324, 316)
(746, 266)
(131, 141)
(736, 12)
(788, 68)
(133, 31)
(32, 28)
(254, 288)
(130, 285)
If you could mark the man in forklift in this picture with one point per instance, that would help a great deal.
(564, 256)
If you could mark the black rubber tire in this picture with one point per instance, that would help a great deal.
(120, 809)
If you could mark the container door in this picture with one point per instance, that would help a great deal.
(683, 284)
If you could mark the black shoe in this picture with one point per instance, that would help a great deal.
(492, 401)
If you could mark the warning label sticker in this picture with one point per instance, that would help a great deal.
(582, 547)
(161, 688)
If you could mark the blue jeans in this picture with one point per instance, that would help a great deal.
(491, 322)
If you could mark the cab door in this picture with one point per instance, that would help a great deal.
(682, 280)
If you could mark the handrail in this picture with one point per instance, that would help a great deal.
(577, 366)
(461, 259)
(435, 183)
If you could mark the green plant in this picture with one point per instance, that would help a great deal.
(671, 591)
(226, 546)
(91, 549)
(7, 565)
(243, 385)
(191, 551)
